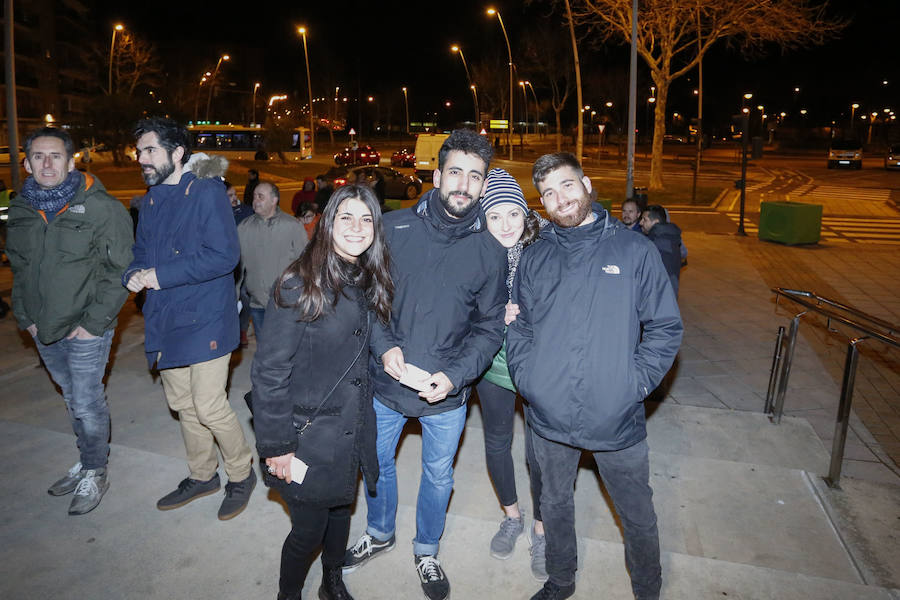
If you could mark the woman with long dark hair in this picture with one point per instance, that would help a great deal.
(313, 416)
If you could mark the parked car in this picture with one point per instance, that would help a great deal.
(360, 155)
(892, 158)
(845, 153)
(403, 158)
(396, 184)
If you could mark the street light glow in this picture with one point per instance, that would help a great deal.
(855, 105)
(609, 104)
(120, 27)
(748, 95)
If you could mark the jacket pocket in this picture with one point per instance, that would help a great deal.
(74, 240)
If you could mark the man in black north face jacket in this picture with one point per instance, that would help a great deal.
(577, 355)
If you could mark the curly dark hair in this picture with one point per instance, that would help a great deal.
(171, 134)
(323, 272)
(468, 141)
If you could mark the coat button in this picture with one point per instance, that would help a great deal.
(357, 382)
(358, 332)
(348, 433)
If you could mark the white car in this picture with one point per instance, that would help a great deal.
(845, 153)
(892, 158)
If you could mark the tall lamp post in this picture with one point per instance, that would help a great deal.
(203, 80)
(477, 112)
(406, 106)
(212, 82)
(524, 104)
(492, 11)
(537, 106)
(253, 110)
(853, 108)
(312, 127)
(458, 50)
(112, 48)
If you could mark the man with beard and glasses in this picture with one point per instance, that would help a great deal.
(577, 355)
(184, 256)
(447, 318)
(69, 242)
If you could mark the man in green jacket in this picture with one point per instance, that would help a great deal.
(69, 242)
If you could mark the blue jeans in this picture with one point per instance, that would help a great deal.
(257, 315)
(440, 439)
(77, 366)
(626, 475)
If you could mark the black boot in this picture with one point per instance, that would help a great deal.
(286, 597)
(332, 587)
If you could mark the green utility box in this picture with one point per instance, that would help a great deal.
(790, 222)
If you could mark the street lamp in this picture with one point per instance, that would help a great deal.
(458, 50)
(477, 114)
(112, 46)
(312, 127)
(525, 104)
(406, 106)
(492, 11)
(212, 82)
(253, 111)
(537, 107)
(853, 108)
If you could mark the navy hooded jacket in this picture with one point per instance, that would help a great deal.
(187, 233)
(449, 298)
(575, 350)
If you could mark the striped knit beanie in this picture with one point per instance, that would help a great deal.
(502, 187)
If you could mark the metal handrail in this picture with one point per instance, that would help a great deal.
(869, 326)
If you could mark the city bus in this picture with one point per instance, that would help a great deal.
(246, 143)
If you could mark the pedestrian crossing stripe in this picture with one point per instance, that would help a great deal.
(834, 229)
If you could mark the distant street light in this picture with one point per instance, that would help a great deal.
(112, 47)
(312, 127)
(537, 105)
(492, 11)
(406, 106)
(477, 114)
(525, 104)
(458, 50)
(853, 108)
(212, 82)
(253, 111)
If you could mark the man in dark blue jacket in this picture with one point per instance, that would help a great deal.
(577, 355)
(666, 237)
(447, 319)
(185, 252)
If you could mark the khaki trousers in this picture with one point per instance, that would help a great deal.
(197, 394)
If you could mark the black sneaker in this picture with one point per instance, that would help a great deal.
(189, 489)
(551, 591)
(365, 548)
(237, 495)
(434, 581)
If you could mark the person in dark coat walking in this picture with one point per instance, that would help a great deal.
(666, 237)
(312, 396)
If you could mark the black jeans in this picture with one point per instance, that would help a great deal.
(626, 475)
(498, 409)
(311, 528)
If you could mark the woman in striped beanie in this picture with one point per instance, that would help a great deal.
(515, 226)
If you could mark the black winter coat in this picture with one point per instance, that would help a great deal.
(295, 366)
(449, 298)
(667, 239)
(575, 350)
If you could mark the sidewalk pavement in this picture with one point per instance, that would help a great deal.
(742, 509)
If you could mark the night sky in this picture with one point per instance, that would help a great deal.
(378, 47)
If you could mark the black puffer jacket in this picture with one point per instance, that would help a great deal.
(449, 297)
(667, 239)
(575, 350)
(294, 368)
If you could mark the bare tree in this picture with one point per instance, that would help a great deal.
(668, 33)
(135, 63)
(549, 54)
(490, 78)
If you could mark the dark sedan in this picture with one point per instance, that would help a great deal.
(396, 184)
(403, 158)
(361, 155)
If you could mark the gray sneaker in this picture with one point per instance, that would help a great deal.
(538, 552)
(89, 491)
(504, 541)
(67, 483)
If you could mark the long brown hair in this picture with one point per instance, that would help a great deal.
(324, 273)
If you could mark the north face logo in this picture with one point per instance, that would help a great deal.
(611, 269)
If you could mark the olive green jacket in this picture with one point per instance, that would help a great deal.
(68, 272)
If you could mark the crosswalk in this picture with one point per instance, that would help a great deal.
(856, 230)
(822, 193)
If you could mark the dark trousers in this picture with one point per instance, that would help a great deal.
(498, 409)
(311, 528)
(626, 475)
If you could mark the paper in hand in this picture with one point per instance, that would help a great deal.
(298, 470)
(415, 378)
